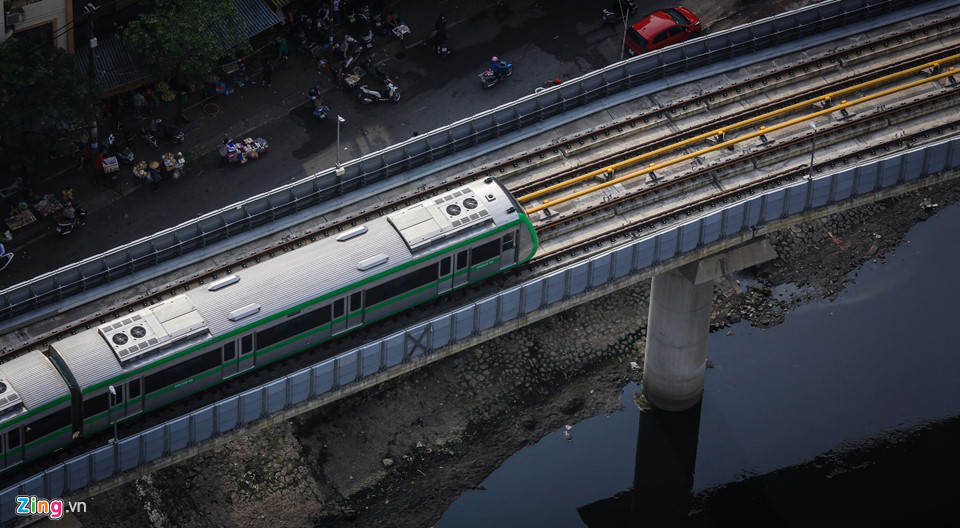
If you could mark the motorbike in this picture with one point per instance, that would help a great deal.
(119, 146)
(65, 225)
(320, 110)
(150, 138)
(440, 37)
(390, 92)
(489, 78)
(618, 11)
(364, 27)
(174, 134)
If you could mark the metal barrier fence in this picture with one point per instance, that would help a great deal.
(426, 338)
(101, 270)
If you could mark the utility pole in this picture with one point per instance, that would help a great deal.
(90, 10)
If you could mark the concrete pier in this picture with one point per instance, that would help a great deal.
(679, 322)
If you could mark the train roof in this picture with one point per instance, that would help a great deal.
(29, 381)
(285, 281)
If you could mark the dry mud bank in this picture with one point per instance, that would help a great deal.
(401, 453)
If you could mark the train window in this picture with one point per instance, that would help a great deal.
(356, 301)
(229, 351)
(461, 260)
(402, 284)
(47, 425)
(182, 371)
(508, 241)
(95, 405)
(292, 327)
(338, 308)
(445, 267)
(13, 439)
(119, 397)
(134, 389)
(485, 252)
(246, 344)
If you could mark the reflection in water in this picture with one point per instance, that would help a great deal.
(834, 374)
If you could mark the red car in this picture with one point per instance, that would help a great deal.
(664, 28)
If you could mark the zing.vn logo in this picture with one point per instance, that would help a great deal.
(31, 505)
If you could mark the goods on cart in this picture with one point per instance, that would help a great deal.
(140, 170)
(174, 164)
(48, 205)
(110, 164)
(246, 150)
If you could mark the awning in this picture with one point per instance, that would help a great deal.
(278, 3)
(258, 17)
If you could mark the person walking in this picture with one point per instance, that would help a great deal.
(267, 73)
(139, 102)
(154, 174)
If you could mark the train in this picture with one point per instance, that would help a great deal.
(144, 360)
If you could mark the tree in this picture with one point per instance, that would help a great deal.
(182, 40)
(44, 102)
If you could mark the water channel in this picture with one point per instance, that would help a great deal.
(836, 375)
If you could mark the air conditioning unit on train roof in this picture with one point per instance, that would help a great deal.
(153, 328)
(428, 222)
(9, 398)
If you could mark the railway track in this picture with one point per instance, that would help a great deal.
(667, 119)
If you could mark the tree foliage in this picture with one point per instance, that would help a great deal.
(182, 40)
(44, 101)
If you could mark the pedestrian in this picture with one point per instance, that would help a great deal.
(154, 175)
(267, 73)
(150, 100)
(83, 154)
(98, 168)
(139, 102)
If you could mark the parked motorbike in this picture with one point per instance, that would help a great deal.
(618, 11)
(174, 134)
(440, 37)
(390, 91)
(320, 110)
(150, 138)
(490, 77)
(363, 26)
(72, 217)
(119, 145)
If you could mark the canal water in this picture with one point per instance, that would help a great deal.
(841, 375)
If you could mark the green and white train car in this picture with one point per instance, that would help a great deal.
(290, 303)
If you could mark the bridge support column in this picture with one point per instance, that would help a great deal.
(679, 322)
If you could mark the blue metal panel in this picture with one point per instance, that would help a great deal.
(103, 467)
(712, 227)
(935, 160)
(555, 284)
(532, 295)
(323, 377)
(8, 503)
(773, 206)
(276, 394)
(153, 445)
(577, 277)
(299, 386)
(890, 171)
(56, 478)
(129, 453)
(78, 473)
(442, 330)
(203, 423)
(914, 164)
(251, 405)
(754, 207)
(797, 198)
(227, 411)
(347, 368)
(733, 223)
(370, 358)
(509, 304)
(463, 323)
(622, 261)
(486, 313)
(867, 176)
(178, 434)
(600, 270)
(821, 191)
(843, 189)
(667, 245)
(689, 235)
(394, 347)
(34, 486)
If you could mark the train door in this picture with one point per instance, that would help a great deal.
(116, 404)
(460, 274)
(339, 321)
(246, 353)
(134, 399)
(230, 361)
(508, 250)
(446, 275)
(12, 444)
(355, 310)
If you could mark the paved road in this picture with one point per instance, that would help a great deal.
(545, 40)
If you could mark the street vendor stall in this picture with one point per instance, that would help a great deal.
(246, 150)
(174, 164)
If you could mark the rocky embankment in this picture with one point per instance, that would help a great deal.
(401, 453)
